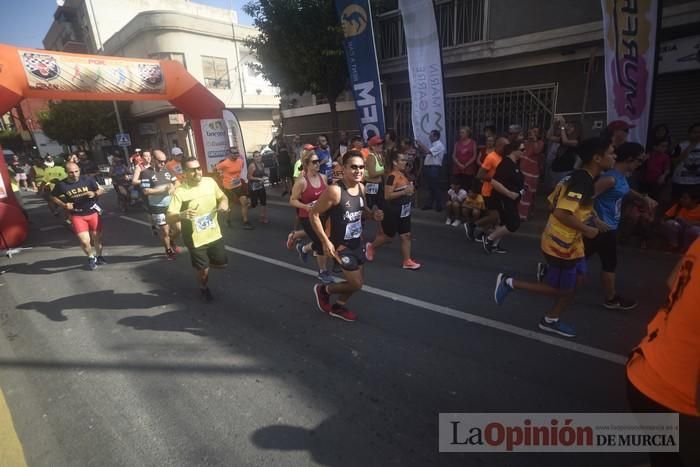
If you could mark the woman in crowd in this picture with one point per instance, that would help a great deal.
(464, 157)
(530, 162)
(681, 226)
(256, 186)
(567, 136)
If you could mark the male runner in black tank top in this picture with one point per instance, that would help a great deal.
(346, 205)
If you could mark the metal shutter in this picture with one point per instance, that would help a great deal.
(677, 102)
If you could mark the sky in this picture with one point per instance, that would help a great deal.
(24, 23)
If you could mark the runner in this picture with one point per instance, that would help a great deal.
(398, 192)
(78, 196)
(305, 192)
(158, 184)
(485, 174)
(196, 203)
(256, 180)
(562, 244)
(236, 189)
(121, 180)
(374, 184)
(174, 165)
(345, 203)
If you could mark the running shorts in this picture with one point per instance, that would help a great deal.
(258, 196)
(351, 259)
(90, 223)
(605, 245)
(311, 233)
(508, 213)
(393, 223)
(492, 203)
(563, 273)
(212, 254)
(235, 194)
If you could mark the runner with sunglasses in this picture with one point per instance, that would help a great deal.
(157, 184)
(346, 205)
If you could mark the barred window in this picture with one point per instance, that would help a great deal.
(215, 72)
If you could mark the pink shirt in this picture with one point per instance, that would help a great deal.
(657, 164)
(464, 152)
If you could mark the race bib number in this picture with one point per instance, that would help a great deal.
(145, 184)
(406, 210)
(235, 183)
(372, 188)
(205, 222)
(353, 230)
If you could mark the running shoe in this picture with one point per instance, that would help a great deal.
(502, 289)
(248, 226)
(469, 231)
(206, 295)
(340, 312)
(499, 249)
(410, 264)
(620, 303)
(176, 249)
(541, 271)
(488, 245)
(557, 327)
(369, 251)
(303, 256)
(456, 223)
(290, 241)
(323, 300)
(448, 221)
(326, 277)
(170, 255)
(92, 263)
(100, 260)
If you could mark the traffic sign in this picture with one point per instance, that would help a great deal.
(123, 139)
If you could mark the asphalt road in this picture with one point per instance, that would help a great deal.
(124, 366)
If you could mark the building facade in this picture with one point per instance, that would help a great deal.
(520, 61)
(206, 40)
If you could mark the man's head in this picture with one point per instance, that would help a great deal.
(159, 160)
(343, 137)
(193, 171)
(323, 142)
(618, 131)
(49, 162)
(82, 156)
(176, 153)
(514, 131)
(137, 150)
(38, 161)
(597, 154)
(628, 157)
(489, 130)
(694, 132)
(257, 156)
(356, 142)
(353, 167)
(661, 145)
(500, 146)
(146, 156)
(233, 153)
(73, 171)
(434, 136)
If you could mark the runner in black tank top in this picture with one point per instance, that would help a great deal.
(345, 203)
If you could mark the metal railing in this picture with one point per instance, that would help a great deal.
(458, 22)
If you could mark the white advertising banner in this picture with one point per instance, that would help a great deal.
(630, 48)
(215, 138)
(679, 55)
(235, 138)
(424, 69)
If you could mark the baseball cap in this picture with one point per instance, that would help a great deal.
(309, 147)
(176, 151)
(375, 141)
(619, 125)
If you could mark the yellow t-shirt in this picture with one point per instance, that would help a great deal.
(203, 198)
(573, 194)
(54, 174)
(476, 202)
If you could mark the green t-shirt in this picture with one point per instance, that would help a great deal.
(203, 198)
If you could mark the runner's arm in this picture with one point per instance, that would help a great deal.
(221, 199)
(297, 190)
(136, 179)
(483, 174)
(498, 186)
(328, 199)
(568, 219)
(603, 183)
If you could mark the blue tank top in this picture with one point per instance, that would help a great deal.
(608, 204)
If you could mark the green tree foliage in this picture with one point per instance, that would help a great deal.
(300, 47)
(10, 139)
(78, 122)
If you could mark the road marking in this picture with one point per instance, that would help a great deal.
(11, 452)
(50, 227)
(447, 311)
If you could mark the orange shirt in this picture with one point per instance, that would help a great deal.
(175, 168)
(683, 213)
(230, 172)
(667, 366)
(490, 164)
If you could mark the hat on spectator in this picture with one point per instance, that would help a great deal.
(309, 147)
(375, 141)
(515, 128)
(176, 151)
(619, 125)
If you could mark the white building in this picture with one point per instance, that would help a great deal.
(206, 40)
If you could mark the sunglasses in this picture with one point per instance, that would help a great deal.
(192, 169)
(161, 161)
(315, 161)
(357, 167)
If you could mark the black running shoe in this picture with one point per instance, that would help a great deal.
(207, 297)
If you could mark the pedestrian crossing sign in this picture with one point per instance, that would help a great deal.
(123, 139)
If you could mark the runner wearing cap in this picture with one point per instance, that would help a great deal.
(230, 172)
(346, 205)
(174, 165)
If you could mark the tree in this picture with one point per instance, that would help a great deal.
(78, 122)
(10, 139)
(300, 48)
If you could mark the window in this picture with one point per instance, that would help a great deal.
(178, 57)
(215, 72)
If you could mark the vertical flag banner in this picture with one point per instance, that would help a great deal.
(356, 20)
(630, 50)
(424, 69)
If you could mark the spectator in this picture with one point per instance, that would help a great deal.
(488, 148)
(682, 221)
(567, 135)
(515, 134)
(618, 131)
(656, 169)
(464, 157)
(389, 141)
(87, 166)
(455, 197)
(342, 145)
(413, 165)
(659, 133)
(530, 163)
(297, 148)
(323, 151)
(473, 206)
(20, 175)
(431, 169)
(284, 166)
(686, 174)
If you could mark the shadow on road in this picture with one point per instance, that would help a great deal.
(59, 265)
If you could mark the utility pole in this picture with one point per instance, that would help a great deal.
(238, 60)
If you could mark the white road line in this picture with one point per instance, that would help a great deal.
(50, 227)
(443, 310)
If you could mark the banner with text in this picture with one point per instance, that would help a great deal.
(424, 69)
(356, 20)
(630, 49)
(215, 139)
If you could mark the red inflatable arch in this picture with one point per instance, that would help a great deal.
(46, 74)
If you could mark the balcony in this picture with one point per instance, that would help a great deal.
(459, 22)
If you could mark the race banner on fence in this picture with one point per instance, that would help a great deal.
(630, 49)
(73, 73)
(356, 19)
(424, 69)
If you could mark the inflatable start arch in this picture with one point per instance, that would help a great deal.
(46, 74)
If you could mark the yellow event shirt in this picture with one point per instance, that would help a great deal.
(203, 198)
(573, 194)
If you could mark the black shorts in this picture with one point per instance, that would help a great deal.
(351, 258)
(258, 195)
(492, 203)
(284, 171)
(376, 199)
(605, 245)
(393, 223)
(212, 254)
(508, 213)
(311, 233)
(234, 194)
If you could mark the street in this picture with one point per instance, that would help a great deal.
(125, 366)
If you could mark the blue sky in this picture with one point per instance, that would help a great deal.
(25, 22)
